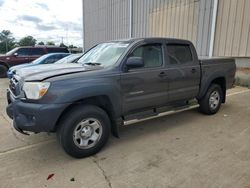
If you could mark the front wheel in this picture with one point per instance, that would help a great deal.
(84, 131)
(211, 102)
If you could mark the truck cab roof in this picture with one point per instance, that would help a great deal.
(152, 39)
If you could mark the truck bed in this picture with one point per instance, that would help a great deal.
(217, 67)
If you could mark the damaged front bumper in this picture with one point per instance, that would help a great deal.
(33, 117)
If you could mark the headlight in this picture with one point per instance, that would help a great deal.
(35, 90)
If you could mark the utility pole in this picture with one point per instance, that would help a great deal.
(67, 39)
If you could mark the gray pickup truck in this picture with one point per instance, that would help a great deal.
(113, 83)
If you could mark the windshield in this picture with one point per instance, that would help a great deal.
(40, 59)
(105, 54)
(11, 52)
(69, 59)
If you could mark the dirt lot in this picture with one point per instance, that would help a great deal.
(181, 150)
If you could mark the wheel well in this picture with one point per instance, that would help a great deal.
(5, 64)
(100, 101)
(221, 81)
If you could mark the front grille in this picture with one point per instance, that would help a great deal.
(14, 86)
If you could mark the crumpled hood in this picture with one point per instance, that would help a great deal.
(41, 72)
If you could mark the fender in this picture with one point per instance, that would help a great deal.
(80, 89)
(207, 80)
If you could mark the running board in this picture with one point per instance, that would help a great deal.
(132, 121)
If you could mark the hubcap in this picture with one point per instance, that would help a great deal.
(214, 100)
(87, 133)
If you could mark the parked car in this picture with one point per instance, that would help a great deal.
(72, 58)
(113, 83)
(45, 59)
(21, 55)
(41, 68)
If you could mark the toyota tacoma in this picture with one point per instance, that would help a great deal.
(113, 83)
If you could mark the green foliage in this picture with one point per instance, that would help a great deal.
(41, 43)
(27, 41)
(63, 45)
(7, 42)
(72, 46)
(50, 43)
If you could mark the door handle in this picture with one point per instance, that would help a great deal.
(162, 74)
(193, 70)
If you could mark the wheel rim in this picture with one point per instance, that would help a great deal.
(214, 100)
(87, 133)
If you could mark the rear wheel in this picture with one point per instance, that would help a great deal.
(84, 131)
(211, 102)
(3, 71)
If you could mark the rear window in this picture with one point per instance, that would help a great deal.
(179, 53)
(36, 51)
(54, 50)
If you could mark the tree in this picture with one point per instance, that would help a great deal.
(62, 45)
(72, 46)
(41, 43)
(27, 41)
(7, 42)
(50, 43)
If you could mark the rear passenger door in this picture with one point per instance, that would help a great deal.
(183, 72)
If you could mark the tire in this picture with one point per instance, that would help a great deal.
(211, 102)
(3, 71)
(84, 131)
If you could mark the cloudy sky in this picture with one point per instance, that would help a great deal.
(46, 20)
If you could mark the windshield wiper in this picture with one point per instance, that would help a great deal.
(92, 64)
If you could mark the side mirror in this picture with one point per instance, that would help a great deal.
(134, 62)
(15, 54)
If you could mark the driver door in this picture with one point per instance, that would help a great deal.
(145, 87)
(22, 56)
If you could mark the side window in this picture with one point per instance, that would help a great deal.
(57, 57)
(51, 59)
(23, 52)
(61, 56)
(151, 54)
(179, 54)
(37, 52)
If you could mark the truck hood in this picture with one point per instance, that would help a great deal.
(41, 72)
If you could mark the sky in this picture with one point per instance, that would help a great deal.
(45, 20)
